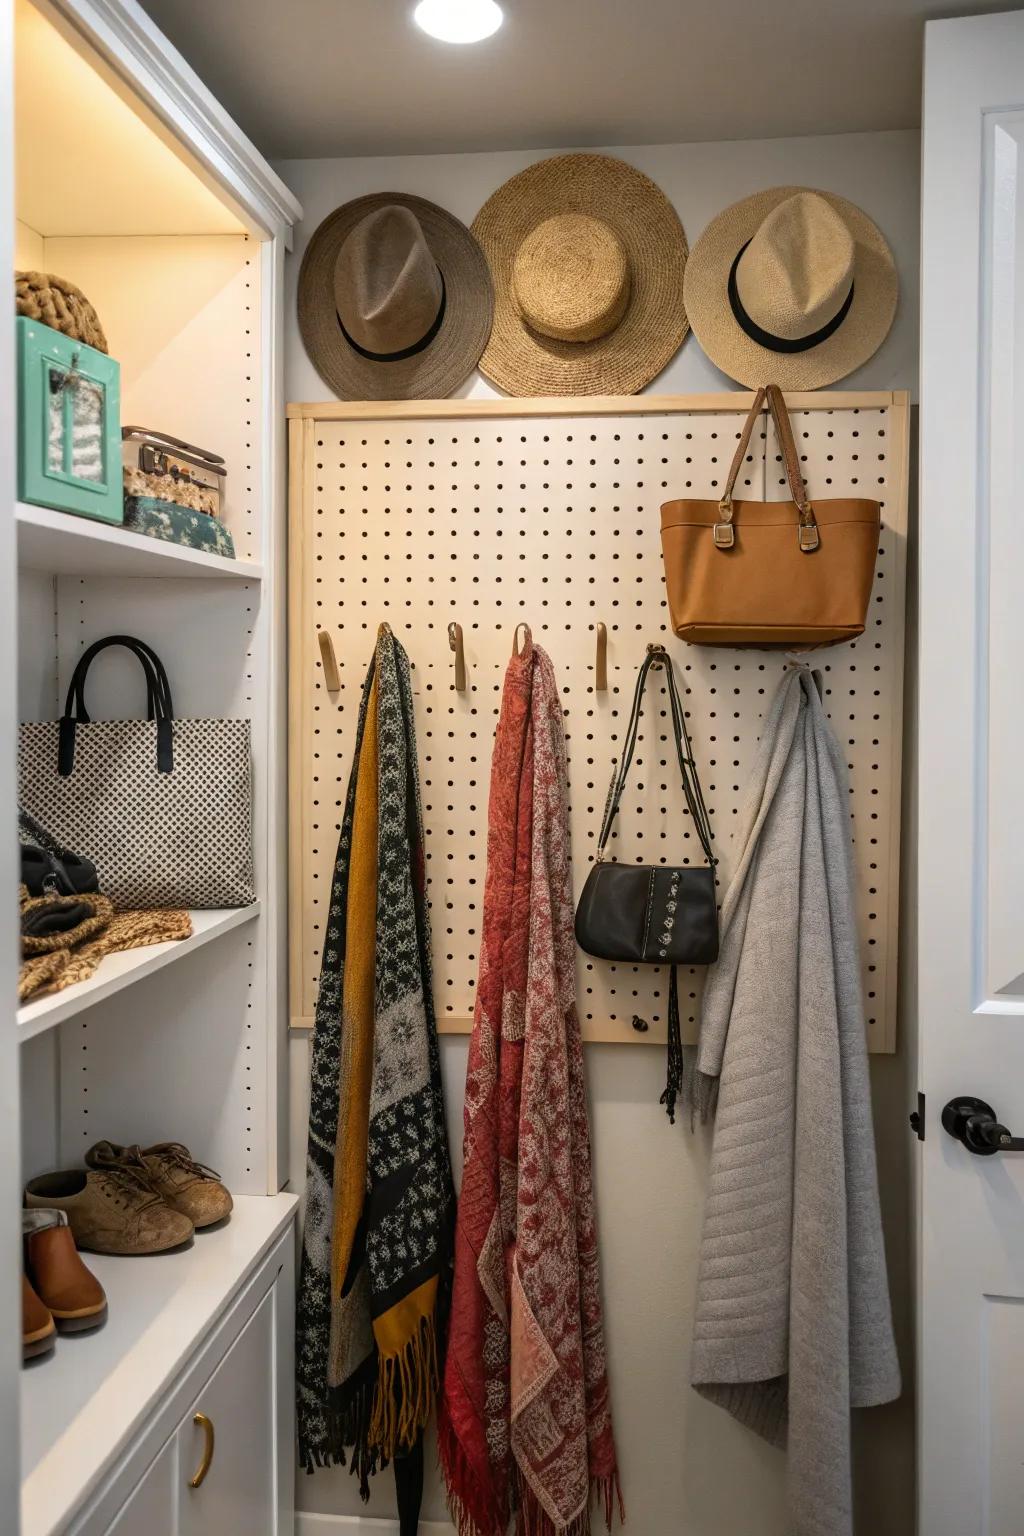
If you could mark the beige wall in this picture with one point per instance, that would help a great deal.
(687, 1469)
(28, 248)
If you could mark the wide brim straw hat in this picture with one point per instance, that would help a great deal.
(808, 264)
(587, 256)
(454, 347)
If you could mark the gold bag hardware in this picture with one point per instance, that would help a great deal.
(769, 573)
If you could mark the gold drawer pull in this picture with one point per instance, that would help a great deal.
(206, 1425)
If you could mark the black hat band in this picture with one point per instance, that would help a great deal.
(781, 343)
(417, 346)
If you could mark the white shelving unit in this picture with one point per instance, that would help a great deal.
(80, 1409)
(65, 545)
(183, 1041)
(119, 971)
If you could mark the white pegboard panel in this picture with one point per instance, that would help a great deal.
(554, 519)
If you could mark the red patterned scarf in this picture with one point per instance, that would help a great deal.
(525, 1420)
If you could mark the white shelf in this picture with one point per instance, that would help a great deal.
(80, 1406)
(121, 970)
(67, 545)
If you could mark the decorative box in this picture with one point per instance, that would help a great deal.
(194, 476)
(69, 424)
(178, 525)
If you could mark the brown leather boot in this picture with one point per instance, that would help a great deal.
(72, 1294)
(38, 1333)
(172, 1171)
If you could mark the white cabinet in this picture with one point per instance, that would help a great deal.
(150, 1510)
(238, 1374)
(227, 1441)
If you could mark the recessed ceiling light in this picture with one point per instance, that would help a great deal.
(459, 21)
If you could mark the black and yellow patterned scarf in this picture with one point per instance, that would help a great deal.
(377, 1242)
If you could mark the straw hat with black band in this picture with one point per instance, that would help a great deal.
(395, 299)
(791, 286)
(587, 256)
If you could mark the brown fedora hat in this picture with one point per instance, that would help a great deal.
(395, 299)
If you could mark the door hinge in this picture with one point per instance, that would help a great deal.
(917, 1118)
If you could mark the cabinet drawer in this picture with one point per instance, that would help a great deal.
(150, 1510)
(227, 1442)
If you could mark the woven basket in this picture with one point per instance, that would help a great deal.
(55, 302)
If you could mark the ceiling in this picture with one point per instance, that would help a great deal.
(354, 77)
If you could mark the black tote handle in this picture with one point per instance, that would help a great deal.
(158, 693)
(658, 656)
(159, 705)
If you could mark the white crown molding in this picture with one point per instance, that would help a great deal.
(137, 50)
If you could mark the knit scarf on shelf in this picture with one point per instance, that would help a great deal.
(377, 1242)
(525, 1420)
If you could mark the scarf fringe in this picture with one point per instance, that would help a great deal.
(312, 1457)
(342, 1431)
(349, 1425)
(406, 1387)
(474, 1510)
(533, 1520)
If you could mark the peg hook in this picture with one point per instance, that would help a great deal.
(455, 644)
(332, 678)
(601, 663)
(517, 649)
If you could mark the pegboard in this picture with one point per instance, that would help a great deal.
(489, 513)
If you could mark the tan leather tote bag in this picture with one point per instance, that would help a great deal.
(769, 573)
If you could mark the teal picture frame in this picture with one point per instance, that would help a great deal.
(69, 424)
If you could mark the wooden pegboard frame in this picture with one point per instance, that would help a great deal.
(491, 511)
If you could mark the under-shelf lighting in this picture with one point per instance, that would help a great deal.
(459, 21)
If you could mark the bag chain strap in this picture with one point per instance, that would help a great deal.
(658, 656)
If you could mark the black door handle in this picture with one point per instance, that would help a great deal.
(974, 1122)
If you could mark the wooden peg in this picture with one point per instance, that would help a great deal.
(455, 644)
(601, 664)
(517, 649)
(332, 677)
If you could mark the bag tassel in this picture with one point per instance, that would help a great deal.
(674, 1077)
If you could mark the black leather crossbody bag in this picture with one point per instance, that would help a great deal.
(657, 914)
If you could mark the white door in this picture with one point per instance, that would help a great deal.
(231, 1451)
(971, 778)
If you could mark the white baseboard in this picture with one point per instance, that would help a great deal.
(360, 1525)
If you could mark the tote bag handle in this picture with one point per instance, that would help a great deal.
(159, 705)
(807, 532)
